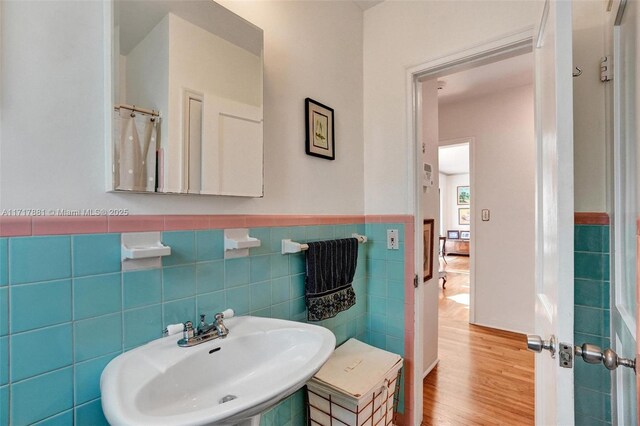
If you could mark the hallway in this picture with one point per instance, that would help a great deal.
(485, 376)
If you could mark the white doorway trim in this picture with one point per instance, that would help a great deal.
(509, 45)
(471, 141)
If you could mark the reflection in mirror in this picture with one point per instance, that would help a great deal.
(188, 99)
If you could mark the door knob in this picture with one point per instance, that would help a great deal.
(536, 344)
(592, 354)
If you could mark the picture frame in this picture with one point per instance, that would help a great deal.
(465, 235)
(320, 141)
(464, 216)
(464, 195)
(453, 235)
(428, 236)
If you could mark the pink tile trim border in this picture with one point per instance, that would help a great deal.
(591, 218)
(401, 218)
(186, 222)
(138, 223)
(638, 310)
(15, 226)
(61, 225)
(409, 272)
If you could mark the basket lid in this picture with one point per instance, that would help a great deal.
(356, 368)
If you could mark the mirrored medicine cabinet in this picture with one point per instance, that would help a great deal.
(187, 100)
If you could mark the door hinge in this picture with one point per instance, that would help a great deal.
(606, 69)
(415, 281)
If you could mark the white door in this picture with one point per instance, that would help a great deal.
(430, 209)
(627, 183)
(554, 212)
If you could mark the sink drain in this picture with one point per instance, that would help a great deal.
(227, 398)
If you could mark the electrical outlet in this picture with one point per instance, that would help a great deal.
(485, 215)
(392, 239)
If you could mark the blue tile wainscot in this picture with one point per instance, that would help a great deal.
(67, 309)
(591, 322)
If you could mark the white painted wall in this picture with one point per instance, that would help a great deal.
(589, 130)
(229, 79)
(53, 104)
(147, 70)
(402, 34)
(443, 186)
(504, 182)
(197, 55)
(451, 202)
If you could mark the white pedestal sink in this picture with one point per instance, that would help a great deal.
(226, 381)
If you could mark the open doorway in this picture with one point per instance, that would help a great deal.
(486, 168)
(455, 189)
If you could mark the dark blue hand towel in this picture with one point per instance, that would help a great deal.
(330, 267)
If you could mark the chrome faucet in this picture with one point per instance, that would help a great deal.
(206, 332)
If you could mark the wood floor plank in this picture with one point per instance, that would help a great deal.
(485, 376)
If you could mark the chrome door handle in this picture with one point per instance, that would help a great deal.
(592, 354)
(536, 344)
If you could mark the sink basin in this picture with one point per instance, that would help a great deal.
(221, 382)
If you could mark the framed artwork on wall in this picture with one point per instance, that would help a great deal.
(320, 131)
(453, 235)
(464, 216)
(428, 233)
(464, 195)
(465, 235)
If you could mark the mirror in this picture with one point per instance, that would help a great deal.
(188, 99)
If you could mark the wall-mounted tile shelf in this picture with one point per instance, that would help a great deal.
(140, 250)
(237, 243)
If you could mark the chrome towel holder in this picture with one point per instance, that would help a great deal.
(289, 246)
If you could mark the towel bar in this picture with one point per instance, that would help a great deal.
(289, 246)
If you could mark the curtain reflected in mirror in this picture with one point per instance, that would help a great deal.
(135, 157)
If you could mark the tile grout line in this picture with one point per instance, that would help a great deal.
(73, 328)
(9, 335)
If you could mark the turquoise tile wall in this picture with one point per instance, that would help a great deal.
(66, 308)
(385, 280)
(382, 324)
(591, 322)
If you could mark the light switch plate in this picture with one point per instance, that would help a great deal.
(485, 215)
(392, 239)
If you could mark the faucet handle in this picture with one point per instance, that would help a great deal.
(227, 313)
(188, 330)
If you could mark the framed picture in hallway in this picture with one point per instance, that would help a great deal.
(320, 133)
(464, 216)
(465, 235)
(427, 235)
(453, 235)
(464, 195)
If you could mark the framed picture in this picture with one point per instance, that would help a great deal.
(427, 233)
(320, 133)
(465, 235)
(453, 235)
(464, 216)
(464, 195)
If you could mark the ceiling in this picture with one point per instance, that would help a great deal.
(508, 73)
(454, 159)
(135, 19)
(367, 4)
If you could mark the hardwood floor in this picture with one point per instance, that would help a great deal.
(485, 376)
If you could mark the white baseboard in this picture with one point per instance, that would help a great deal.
(431, 367)
(502, 328)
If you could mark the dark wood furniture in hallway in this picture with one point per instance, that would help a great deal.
(457, 247)
(485, 376)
